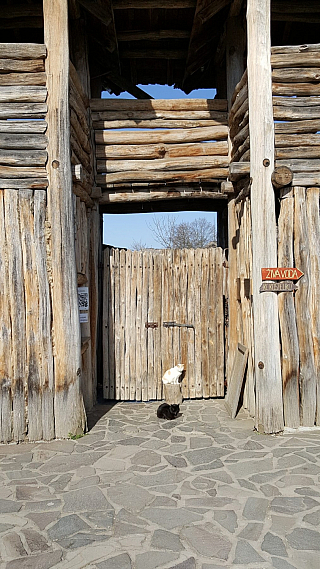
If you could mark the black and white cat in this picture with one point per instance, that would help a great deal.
(166, 411)
(172, 375)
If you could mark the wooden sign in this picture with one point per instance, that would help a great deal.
(285, 286)
(236, 380)
(281, 274)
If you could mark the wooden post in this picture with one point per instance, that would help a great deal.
(69, 412)
(269, 405)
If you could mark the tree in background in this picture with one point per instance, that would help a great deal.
(184, 235)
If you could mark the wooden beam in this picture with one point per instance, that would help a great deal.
(158, 105)
(21, 23)
(152, 195)
(166, 136)
(69, 411)
(141, 35)
(269, 405)
(153, 53)
(127, 85)
(101, 9)
(22, 10)
(295, 6)
(150, 4)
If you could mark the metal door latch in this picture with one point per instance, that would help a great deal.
(176, 325)
(151, 324)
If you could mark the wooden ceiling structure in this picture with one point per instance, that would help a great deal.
(173, 42)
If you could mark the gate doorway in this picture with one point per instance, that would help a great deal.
(160, 308)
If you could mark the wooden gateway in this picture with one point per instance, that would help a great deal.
(73, 314)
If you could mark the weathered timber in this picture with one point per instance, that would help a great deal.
(16, 65)
(296, 113)
(240, 137)
(101, 10)
(304, 59)
(110, 196)
(166, 136)
(238, 102)
(24, 183)
(158, 105)
(21, 93)
(22, 50)
(153, 35)
(23, 110)
(82, 193)
(238, 118)
(187, 176)
(163, 165)
(295, 6)
(77, 105)
(314, 237)
(149, 4)
(149, 151)
(23, 157)
(296, 75)
(297, 89)
(289, 49)
(22, 172)
(238, 170)
(220, 117)
(287, 315)
(306, 152)
(23, 79)
(69, 413)
(80, 135)
(281, 176)
(296, 101)
(238, 153)
(82, 155)
(21, 10)
(239, 126)
(30, 127)
(236, 380)
(297, 127)
(269, 407)
(309, 179)
(76, 84)
(155, 123)
(290, 140)
(20, 23)
(308, 397)
(23, 141)
(238, 87)
(297, 165)
(170, 54)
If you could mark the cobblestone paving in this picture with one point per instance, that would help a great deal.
(137, 492)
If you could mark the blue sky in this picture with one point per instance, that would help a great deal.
(123, 230)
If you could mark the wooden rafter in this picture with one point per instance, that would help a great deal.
(142, 35)
(150, 4)
(101, 9)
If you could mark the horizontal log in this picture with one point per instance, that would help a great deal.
(121, 197)
(281, 176)
(237, 155)
(23, 141)
(242, 82)
(296, 113)
(79, 191)
(238, 170)
(239, 100)
(240, 137)
(23, 157)
(82, 137)
(23, 79)
(180, 135)
(150, 151)
(289, 140)
(301, 165)
(306, 179)
(305, 59)
(24, 94)
(156, 35)
(137, 116)
(298, 152)
(23, 184)
(28, 66)
(296, 75)
(23, 110)
(296, 101)
(22, 172)
(78, 107)
(155, 123)
(21, 23)
(315, 47)
(22, 50)
(295, 6)
(74, 78)
(23, 127)
(238, 118)
(140, 176)
(296, 89)
(158, 105)
(245, 156)
(301, 18)
(237, 128)
(296, 127)
(153, 54)
(149, 4)
(82, 157)
(163, 165)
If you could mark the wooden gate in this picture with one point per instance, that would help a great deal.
(160, 308)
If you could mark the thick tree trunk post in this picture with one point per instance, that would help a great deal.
(69, 411)
(172, 394)
(269, 405)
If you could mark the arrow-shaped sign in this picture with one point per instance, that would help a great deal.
(281, 274)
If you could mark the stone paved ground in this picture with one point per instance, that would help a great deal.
(137, 492)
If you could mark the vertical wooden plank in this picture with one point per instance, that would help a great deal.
(117, 324)
(122, 321)
(232, 286)
(151, 333)
(133, 324)
(106, 329)
(112, 331)
(314, 240)
(191, 318)
(127, 328)
(287, 315)
(220, 324)
(166, 314)
(157, 255)
(308, 396)
(184, 320)
(139, 331)
(197, 321)
(248, 304)
(212, 323)
(5, 335)
(144, 330)
(204, 323)
(95, 249)
(176, 304)
(17, 312)
(69, 409)
(269, 405)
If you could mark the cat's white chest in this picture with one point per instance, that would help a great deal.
(173, 374)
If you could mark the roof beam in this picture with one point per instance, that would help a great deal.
(101, 9)
(153, 54)
(295, 6)
(152, 4)
(137, 35)
(127, 85)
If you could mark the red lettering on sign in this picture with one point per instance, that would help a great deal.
(281, 274)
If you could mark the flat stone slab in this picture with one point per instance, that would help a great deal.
(130, 497)
(85, 500)
(302, 538)
(171, 519)
(122, 561)
(162, 539)
(206, 543)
